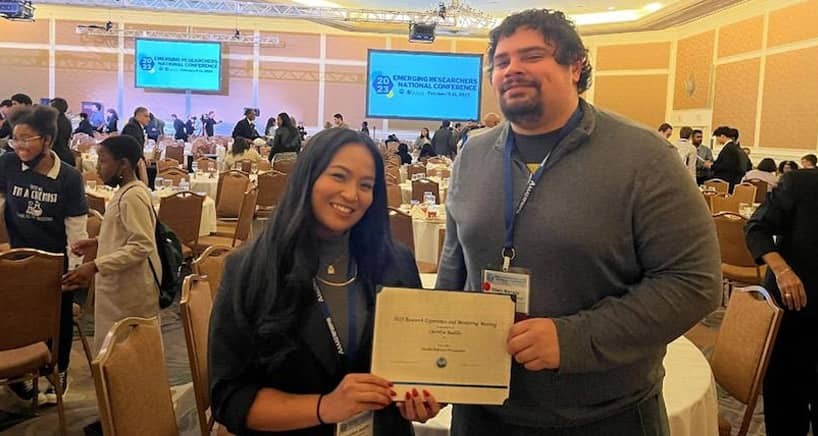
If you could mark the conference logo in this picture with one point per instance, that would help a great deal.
(147, 64)
(383, 84)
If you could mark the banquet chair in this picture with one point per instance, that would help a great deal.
(131, 381)
(175, 152)
(415, 169)
(271, 186)
(92, 176)
(708, 198)
(743, 348)
(232, 184)
(283, 165)
(745, 193)
(93, 225)
(421, 186)
(393, 170)
(30, 320)
(719, 185)
(737, 264)
(761, 189)
(391, 180)
(400, 224)
(245, 165)
(437, 160)
(182, 212)
(205, 164)
(177, 175)
(95, 202)
(394, 197)
(4, 236)
(196, 305)
(443, 173)
(263, 165)
(210, 265)
(164, 164)
(724, 203)
(244, 224)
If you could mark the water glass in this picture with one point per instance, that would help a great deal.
(428, 197)
(91, 184)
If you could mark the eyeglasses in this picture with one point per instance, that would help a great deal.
(22, 141)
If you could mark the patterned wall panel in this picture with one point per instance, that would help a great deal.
(741, 37)
(352, 47)
(345, 93)
(789, 116)
(736, 97)
(694, 63)
(640, 98)
(86, 77)
(24, 71)
(290, 88)
(295, 45)
(793, 23)
(24, 31)
(653, 55)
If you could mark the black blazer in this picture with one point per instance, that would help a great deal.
(135, 130)
(61, 143)
(244, 130)
(285, 140)
(85, 127)
(247, 351)
(729, 166)
(791, 213)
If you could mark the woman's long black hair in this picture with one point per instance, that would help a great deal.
(280, 264)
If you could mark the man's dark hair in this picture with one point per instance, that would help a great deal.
(139, 110)
(5, 103)
(248, 111)
(696, 131)
(98, 106)
(83, 115)
(767, 165)
(811, 158)
(686, 132)
(555, 29)
(789, 163)
(339, 116)
(664, 126)
(41, 119)
(732, 134)
(722, 130)
(446, 123)
(60, 104)
(123, 147)
(22, 99)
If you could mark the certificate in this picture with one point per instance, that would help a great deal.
(452, 344)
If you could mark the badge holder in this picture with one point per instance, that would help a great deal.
(361, 424)
(509, 280)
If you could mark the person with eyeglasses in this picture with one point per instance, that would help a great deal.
(43, 204)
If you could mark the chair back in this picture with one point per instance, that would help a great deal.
(724, 203)
(437, 160)
(95, 202)
(30, 312)
(92, 176)
(131, 381)
(182, 212)
(206, 164)
(245, 165)
(421, 186)
(246, 215)
(391, 180)
(263, 165)
(175, 152)
(164, 164)
(196, 305)
(415, 169)
(761, 189)
(721, 186)
(400, 224)
(271, 186)
(283, 165)
(744, 345)
(393, 170)
(174, 174)
(232, 184)
(210, 265)
(730, 231)
(441, 172)
(745, 193)
(4, 235)
(394, 198)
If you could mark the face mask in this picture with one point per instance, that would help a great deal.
(37, 159)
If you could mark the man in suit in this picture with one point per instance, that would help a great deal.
(85, 125)
(246, 127)
(136, 125)
(443, 140)
(179, 128)
(790, 385)
(729, 166)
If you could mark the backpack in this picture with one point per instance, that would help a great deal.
(170, 256)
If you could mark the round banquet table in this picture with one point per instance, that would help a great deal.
(201, 182)
(689, 392)
(406, 191)
(426, 238)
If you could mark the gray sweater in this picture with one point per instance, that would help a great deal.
(624, 258)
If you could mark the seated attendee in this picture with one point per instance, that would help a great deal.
(403, 152)
(85, 125)
(111, 120)
(809, 161)
(242, 150)
(49, 221)
(427, 150)
(765, 171)
(786, 166)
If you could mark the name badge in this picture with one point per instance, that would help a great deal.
(361, 424)
(516, 282)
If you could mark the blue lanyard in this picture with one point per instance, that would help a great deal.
(352, 316)
(510, 212)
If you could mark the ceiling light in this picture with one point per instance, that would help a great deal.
(610, 8)
(652, 7)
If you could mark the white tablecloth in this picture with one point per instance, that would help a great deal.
(203, 183)
(427, 238)
(689, 392)
(406, 192)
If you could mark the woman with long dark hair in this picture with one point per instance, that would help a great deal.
(291, 327)
(287, 138)
(241, 150)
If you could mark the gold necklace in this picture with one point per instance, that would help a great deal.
(340, 284)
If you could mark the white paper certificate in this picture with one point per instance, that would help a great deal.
(452, 344)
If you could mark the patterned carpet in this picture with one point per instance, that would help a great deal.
(81, 408)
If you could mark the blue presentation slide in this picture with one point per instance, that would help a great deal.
(178, 65)
(423, 86)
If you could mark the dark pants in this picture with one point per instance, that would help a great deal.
(791, 384)
(648, 418)
(66, 331)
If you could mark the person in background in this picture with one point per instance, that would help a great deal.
(786, 166)
(687, 151)
(135, 128)
(246, 127)
(96, 117)
(190, 126)
(444, 140)
(491, 119)
(180, 132)
(152, 128)
(5, 108)
(666, 130)
(85, 126)
(241, 150)
(270, 128)
(403, 152)
(729, 166)
(365, 127)
(809, 161)
(765, 171)
(209, 122)
(49, 221)
(327, 125)
(17, 100)
(111, 120)
(704, 159)
(338, 121)
(426, 151)
(329, 242)
(302, 131)
(62, 141)
(287, 138)
(422, 139)
(782, 235)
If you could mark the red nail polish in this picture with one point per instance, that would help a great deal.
(393, 393)
(391, 384)
(408, 396)
(425, 393)
(414, 392)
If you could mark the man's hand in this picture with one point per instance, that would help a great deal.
(534, 344)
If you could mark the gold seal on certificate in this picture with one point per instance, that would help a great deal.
(452, 344)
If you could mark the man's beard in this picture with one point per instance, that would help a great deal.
(523, 112)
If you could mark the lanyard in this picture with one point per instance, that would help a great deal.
(352, 316)
(510, 212)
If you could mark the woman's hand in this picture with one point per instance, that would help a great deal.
(792, 290)
(417, 408)
(80, 277)
(81, 247)
(356, 393)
